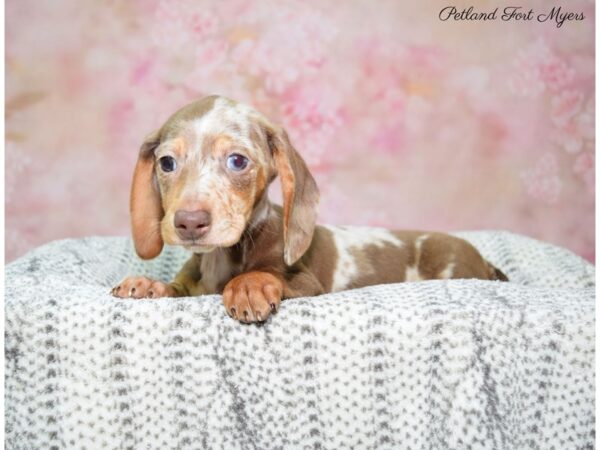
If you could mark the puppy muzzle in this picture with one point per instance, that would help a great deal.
(191, 225)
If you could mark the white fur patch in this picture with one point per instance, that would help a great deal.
(412, 272)
(229, 118)
(347, 239)
(418, 243)
(261, 213)
(202, 182)
(448, 271)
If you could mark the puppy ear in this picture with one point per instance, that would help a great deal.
(300, 196)
(145, 203)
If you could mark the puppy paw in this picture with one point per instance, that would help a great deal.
(142, 287)
(253, 296)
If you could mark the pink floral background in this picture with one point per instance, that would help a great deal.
(406, 121)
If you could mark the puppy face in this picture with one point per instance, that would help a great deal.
(216, 161)
(200, 179)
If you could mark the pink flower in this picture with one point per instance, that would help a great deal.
(568, 138)
(427, 58)
(473, 80)
(565, 105)
(575, 127)
(542, 181)
(526, 78)
(119, 116)
(556, 73)
(585, 120)
(311, 114)
(537, 68)
(17, 166)
(293, 43)
(418, 111)
(203, 23)
(182, 22)
(389, 138)
(585, 167)
(387, 133)
(141, 71)
(210, 57)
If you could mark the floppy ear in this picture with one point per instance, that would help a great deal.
(300, 197)
(145, 204)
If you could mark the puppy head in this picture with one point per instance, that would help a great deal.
(200, 179)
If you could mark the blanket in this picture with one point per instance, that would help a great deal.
(430, 364)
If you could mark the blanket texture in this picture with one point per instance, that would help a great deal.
(432, 364)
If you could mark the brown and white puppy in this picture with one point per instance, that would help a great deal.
(201, 181)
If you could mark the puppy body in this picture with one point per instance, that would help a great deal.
(201, 181)
(338, 258)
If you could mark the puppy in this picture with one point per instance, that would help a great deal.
(201, 182)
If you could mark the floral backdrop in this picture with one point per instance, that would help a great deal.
(405, 120)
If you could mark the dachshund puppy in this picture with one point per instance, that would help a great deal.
(201, 181)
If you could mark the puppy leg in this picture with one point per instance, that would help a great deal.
(186, 283)
(143, 287)
(252, 296)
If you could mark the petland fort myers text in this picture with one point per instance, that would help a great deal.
(556, 15)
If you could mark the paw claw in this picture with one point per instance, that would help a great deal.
(142, 287)
(253, 296)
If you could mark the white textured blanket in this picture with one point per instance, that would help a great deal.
(437, 364)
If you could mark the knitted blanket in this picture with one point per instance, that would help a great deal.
(430, 364)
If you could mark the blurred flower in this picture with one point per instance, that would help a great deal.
(556, 73)
(473, 80)
(179, 23)
(16, 163)
(585, 120)
(575, 126)
(388, 133)
(418, 110)
(311, 113)
(294, 43)
(536, 68)
(427, 59)
(584, 167)
(376, 105)
(542, 181)
(565, 105)
(568, 138)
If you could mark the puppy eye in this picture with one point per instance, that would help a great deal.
(237, 162)
(167, 163)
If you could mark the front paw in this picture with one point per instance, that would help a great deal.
(142, 287)
(253, 296)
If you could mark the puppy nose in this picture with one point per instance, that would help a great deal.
(191, 224)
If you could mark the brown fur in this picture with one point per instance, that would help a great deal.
(265, 252)
(145, 204)
(300, 197)
(379, 265)
(321, 257)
